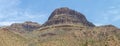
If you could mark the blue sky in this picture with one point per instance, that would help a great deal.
(99, 12)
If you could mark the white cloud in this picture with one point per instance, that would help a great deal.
(8, 8)
(112, 14)
(6, 4)
(98, 24)
(117, 18)
(7, 23)
(11, 13)
(29, 14)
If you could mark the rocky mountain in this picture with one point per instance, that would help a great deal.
(65, 15)
(65, 27)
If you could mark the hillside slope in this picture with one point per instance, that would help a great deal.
(8, 38)
(74, 35)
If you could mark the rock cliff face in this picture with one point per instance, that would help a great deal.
(65, 15)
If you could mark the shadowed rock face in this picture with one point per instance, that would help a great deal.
(65, 15)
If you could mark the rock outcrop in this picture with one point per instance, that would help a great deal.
(65, 15)
(23, 27)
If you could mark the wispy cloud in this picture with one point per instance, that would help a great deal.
(5, 4)
(8, 9)
(113, 13)
(110, 15)
(98, 24)
(11, 13)
(7, 23)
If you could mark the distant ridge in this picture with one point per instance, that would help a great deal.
(23, 27)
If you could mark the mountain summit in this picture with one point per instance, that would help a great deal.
(65, 15)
